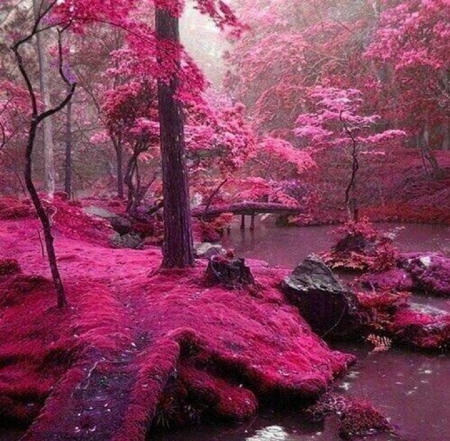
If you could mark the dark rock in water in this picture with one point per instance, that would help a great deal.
(330, 309)
(120, 224)
(396, 279)
(430, 272)
(229, 272)
(356, 243)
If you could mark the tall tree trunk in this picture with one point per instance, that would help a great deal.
(49, 167)
(68, 162)
(178, 242)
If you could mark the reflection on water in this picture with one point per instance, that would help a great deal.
(286, 247)
(409, 388)
(269, 433)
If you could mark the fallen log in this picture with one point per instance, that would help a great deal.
(245, 209)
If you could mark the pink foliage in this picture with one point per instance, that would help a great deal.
(336, 116)
(414, 38)
(362, 247)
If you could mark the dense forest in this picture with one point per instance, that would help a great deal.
(309, 88)
(132, 133)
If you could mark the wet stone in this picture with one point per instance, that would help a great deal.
(329, 307)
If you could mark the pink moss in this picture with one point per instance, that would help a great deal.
(422, 327)
(30, 328)
(68, 218)
(394, 279)
(409, 324)
(429, 271)
(361, 418)
(209, 350)
(9, 267)
(356, 417)
(13, 208)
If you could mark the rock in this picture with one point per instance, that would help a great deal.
(330, 309)
(430, 272)
(421, 326)
(205, 250)
(229, 272)
(120, 224)
(130, 240)
(356, 243)
(99, 212)
(362, 248)
(395, 279)
(356, 418)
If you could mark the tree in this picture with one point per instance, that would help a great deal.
(39, 6)
(291, 47)
(338, 122)
(413, 42)
(37, 117)
(178, 242)
(173, 89)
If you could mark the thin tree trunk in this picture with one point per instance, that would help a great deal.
(351, 202)
(36, 118)
(68, 162)
(178, 242)
(43, 217)
(119, 161)
(213, 194)
(49, 167)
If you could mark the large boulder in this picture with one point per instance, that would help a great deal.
(330, 308)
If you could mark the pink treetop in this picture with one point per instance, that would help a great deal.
(337, 120)
(413, 38)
